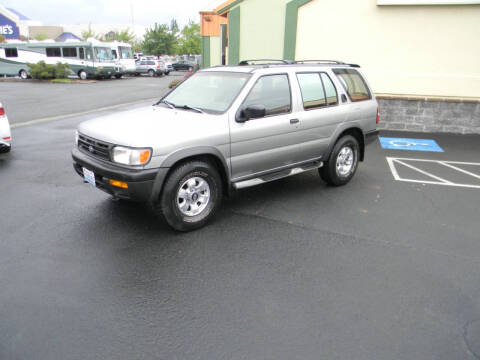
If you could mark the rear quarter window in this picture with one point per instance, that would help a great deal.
(354, 84)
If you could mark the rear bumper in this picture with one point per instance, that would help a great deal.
(371, 136)
(144, 185)
(4, 147)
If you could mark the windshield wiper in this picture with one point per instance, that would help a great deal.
(169, 104)
(188, 107)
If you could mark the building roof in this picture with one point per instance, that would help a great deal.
(20, 15)
(67, 36)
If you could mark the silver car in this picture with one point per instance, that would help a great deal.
(5, 134)
(150, 67)
(227, 128)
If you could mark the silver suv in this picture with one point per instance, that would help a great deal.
(228, 128)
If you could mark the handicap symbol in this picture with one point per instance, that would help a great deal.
(405, 143)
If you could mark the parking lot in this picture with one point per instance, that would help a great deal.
(382, 268)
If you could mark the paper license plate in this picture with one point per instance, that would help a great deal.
(89, 176)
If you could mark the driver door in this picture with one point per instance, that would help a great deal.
(264, 144)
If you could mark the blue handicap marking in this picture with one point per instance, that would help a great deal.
(409, 144)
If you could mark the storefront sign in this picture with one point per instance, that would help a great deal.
(8, 29)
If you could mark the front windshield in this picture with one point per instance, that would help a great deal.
(125, 52)
(103, 54)
(208, 91)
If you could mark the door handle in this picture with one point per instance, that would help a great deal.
(294, 121)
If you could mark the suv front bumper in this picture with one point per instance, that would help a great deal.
(143, 184)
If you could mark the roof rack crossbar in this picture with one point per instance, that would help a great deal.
(264, 61)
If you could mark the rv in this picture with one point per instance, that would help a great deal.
(122, 54)
(86, 59)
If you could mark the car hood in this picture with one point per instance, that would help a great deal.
(157, 127)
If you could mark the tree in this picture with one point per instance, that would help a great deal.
(159, 40)
(190, 40)
(40, 37)
(122, 36)
(88, 34)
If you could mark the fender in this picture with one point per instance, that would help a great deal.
(336, 135)
(180, 155)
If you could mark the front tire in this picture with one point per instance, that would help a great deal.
(342, 163)
(191, 195)
(82, 74)
(23, 74)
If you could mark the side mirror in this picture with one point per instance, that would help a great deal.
(251, 112)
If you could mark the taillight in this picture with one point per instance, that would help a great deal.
(7, 138)
(2, 111)
(158, 66)
(378, 115)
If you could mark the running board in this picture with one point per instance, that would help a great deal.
(277, 175)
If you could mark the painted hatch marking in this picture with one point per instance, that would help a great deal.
(393, 163)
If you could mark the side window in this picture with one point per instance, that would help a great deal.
(272, 91)
(53, 52)
(81, 53)
(11, 52)
(354, 84)
(89, 53)
(69, 52)
(313, 94)
(114, 53)
(330, 91)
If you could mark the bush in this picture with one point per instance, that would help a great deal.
(41, 70)
(174, 83)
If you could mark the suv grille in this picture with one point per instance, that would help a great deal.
(95, 148)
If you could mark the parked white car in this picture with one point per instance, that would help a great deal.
(5, 135)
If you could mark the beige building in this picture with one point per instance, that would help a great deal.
(408, 49)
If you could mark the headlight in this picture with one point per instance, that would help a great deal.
(76, 137)
(129, 156)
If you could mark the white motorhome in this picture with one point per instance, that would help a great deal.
(123, 56)
(86, 59)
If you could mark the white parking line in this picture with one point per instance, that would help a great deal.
(392, 161)
(60, 117)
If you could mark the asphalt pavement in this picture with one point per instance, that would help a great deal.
(31, 100)
(294, 269)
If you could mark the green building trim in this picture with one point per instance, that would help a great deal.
(234, 36)
(290, 37)
(206, 51)
(226, 8)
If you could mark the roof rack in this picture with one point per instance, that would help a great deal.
(325, 62)
(319, 62)
(264, 62)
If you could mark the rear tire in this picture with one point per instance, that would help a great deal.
(23, 74)
(82, 74)
(342, 162)
(191, 195)
(167, 72)
(151, 73)
(118, 76)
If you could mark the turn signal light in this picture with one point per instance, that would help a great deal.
(144, 156)
(119, 184)
(378, 115)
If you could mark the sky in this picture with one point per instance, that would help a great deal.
(145, 12)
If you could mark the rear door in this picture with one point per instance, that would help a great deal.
(271, 142)
(321, 113)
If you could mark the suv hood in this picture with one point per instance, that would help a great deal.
(156, 126)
